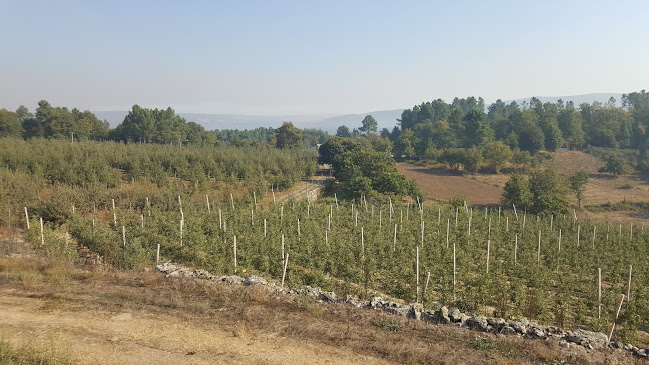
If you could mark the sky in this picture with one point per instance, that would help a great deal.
(315, 57)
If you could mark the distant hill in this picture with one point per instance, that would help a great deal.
(329, 123)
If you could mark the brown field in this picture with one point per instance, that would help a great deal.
(439, 184)
(486, 189)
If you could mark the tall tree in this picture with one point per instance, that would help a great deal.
(370, 125)
(343, 131)
(288, 136)
(578, 185)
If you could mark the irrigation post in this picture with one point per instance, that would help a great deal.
(26, 217)
(619, 307)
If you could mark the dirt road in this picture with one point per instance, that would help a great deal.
(96, 337)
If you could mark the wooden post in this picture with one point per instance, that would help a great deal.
(220, 221)
(380, 217)
(578, 230)
(594, 230)
(264, 227)
(631, 232)
(599, 292)
(281, 214)
(298, 227)
(180, 204)
(42, 236)
(506, 224)
(456, 212)
(232, 201)
(489, 236)
(454, 270)
(336, 197)
(26, 217)
(252, 217)
(356, 220)
(439, 216)
(417, 274)
(448, 225)
(498, 216)
(124, 236)
(363, 242)
(394, 244)
(515, 249)
(283, 247)
(207, 202)
(408, 211)
(551, 222)
(113, 201)
(469, 229)
(157, 255)
(274, 201)
(329, 226)
(559, 240)
(142, 220)
(234, 247)
(628, 290)
(284, 271)
(114, 218)
(617, 314)
(254, 196)
(182, 223)
(423, 297)
(488, 248)
(422, 234)
(523, 230)
(327, 238)
(538, 253)
(514, 205)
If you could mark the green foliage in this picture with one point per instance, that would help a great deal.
(617, 166)
(497, 154)
(361, 172)
(370, 125)
(472, 159)
(548, 193)
(288, 136)
(578, 184)
(388, 324)
(517, 191)
(343, 131)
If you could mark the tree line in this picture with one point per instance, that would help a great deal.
(141, 125)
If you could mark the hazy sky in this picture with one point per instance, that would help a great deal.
(308, 57)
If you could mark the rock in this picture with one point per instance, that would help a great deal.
(174, 274)
(441, 316)
(496, 323)
(233, 279)
(535, 332)
(398, 309)
(455, 315)
(415, 311)
(478, 323)
(509, 331)
(564, 344)
(376, 303)
(329, 297)
(251, 280)
(202, 274)
(519, 326)
(166, 268)
(642, 353)
(595, 339)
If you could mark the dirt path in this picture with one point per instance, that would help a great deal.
(95, 337)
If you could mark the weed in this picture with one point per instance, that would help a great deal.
(387, 324)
